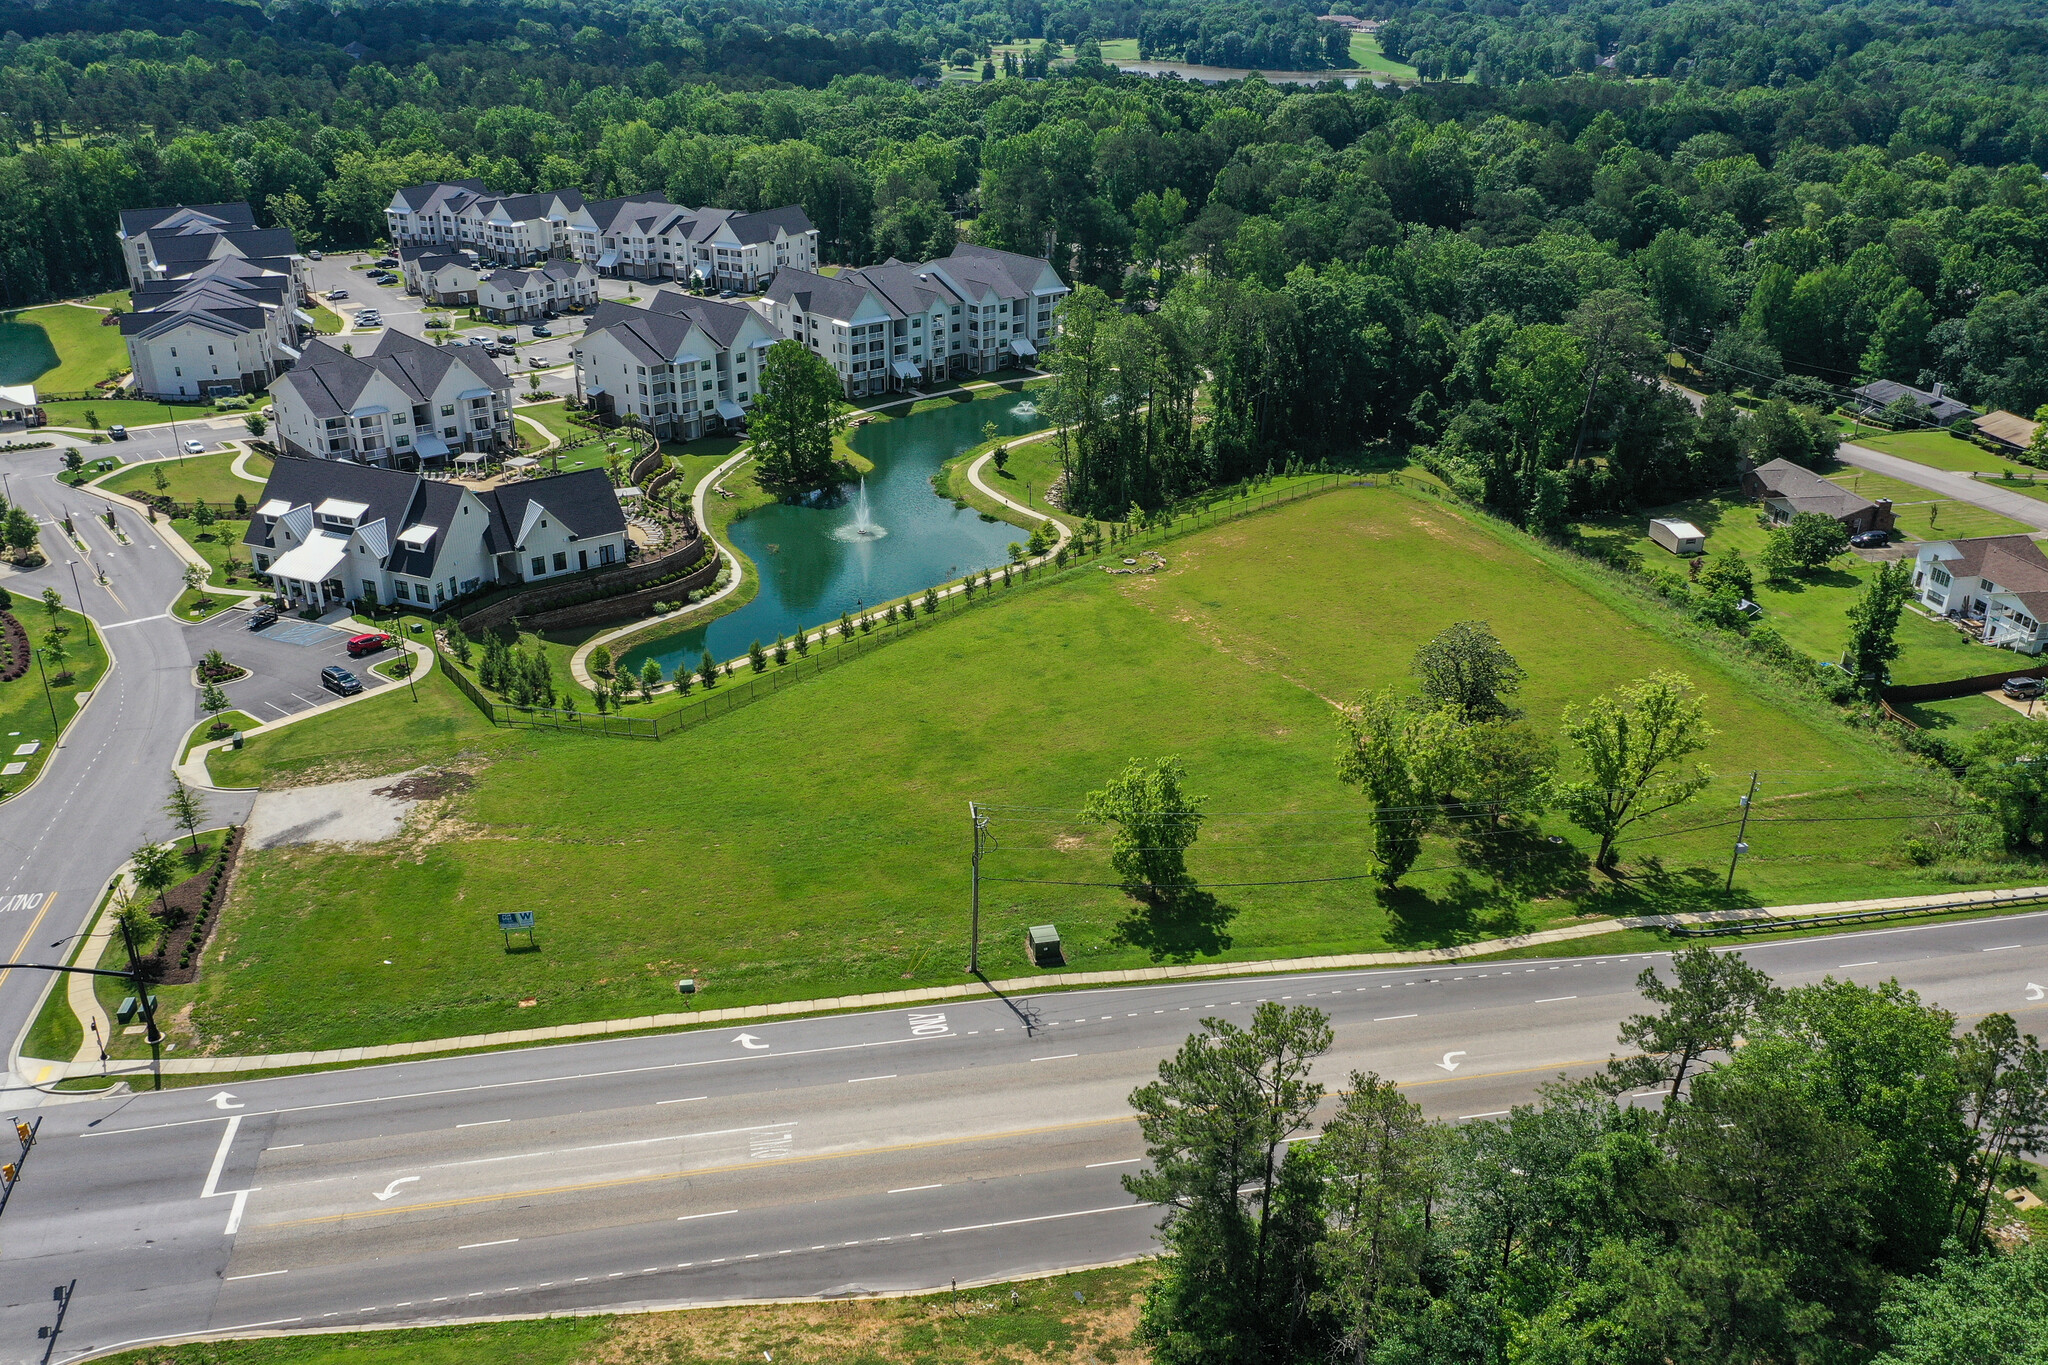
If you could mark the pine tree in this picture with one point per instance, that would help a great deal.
(707, 671)
(931, 601)
(757, 657)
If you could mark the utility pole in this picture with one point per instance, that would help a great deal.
(151, 1035)
(980, 823)
(1741, 847)
(56, 729)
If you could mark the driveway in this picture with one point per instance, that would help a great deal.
(284, 661)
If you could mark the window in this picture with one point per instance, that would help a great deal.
(1987, 585)
(404, 595)
(561, 560)
(1940, 576)
(540, 565)
(605, 552)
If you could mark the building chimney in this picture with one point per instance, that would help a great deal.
(1937, 390)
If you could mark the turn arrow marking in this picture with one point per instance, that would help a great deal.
(750, 1042)
(2035, 992)
(392, 1189)
(1449, 1065)
(220, 1101)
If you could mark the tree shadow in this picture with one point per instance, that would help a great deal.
(1526, 863)
(1177, 927)
(1465, 910)
(1650, 888)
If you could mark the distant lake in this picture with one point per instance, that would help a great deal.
(1216, 75)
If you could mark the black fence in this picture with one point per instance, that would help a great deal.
(733, 691)
(1735, 928)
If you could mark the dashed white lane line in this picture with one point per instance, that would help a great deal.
(690, 1217)
(501, 1242)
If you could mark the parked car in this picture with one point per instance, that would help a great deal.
(264, 614)
(337, 679)
(387, 260)
(540, 330)
(314, 256)
(1871, 540)
(368, 643)
(195, 447)
(508, 338)
(2023, 689)
(334, 294)
(118, 433)
(727, 294)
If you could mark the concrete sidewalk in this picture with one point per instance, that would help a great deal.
(45, 1072)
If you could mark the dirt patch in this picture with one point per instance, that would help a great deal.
(1067, 843)
(336, 812)
(430, 785)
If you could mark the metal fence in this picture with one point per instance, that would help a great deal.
(732, 692)
(1734, 928)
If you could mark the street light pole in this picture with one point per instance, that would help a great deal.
(151, 1036)
(980, 823)
(56, 730)
(79, 598)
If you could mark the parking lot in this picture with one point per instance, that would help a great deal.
(284, 661)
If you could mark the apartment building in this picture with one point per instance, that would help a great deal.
(886, 326)
(652, 239)
(682, 366)
(512, 295)
(503, 229)
(217, 301)
(333, 531)
(405, 403)
(446, 279)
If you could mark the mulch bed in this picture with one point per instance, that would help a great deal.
(171, 965)
(14, 640)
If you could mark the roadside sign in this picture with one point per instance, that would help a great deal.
(512, 922)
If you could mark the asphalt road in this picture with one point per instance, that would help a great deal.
(102, 792)
(854, 1155)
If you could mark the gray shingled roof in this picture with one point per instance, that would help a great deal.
(655, 333)
(330, 381)
(1807, 491)
(137, 221)
(1940, 410)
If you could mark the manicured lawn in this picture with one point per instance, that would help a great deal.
(114, 298)
(1922, 515)
(1811, 612)
(196, 477)
(325, 320)
(240, 720)
(1033, 464)
(2017, 482)
(1365, 50)
(1088, 1316)
(99, 463)
(26, 709)
(1936, 449)
(98, 414)
(1960, 713)
(216, 544)
(810, 844)
(62, 348)
(1120, 49)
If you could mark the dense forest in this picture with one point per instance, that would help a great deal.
(1491, 271)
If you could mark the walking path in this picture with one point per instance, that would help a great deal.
(47, 1071)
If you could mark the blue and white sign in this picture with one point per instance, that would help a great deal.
(515, 921)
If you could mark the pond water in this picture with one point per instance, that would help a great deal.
(815, 562)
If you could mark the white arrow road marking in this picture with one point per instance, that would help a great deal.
(391, 1190)
(1449, 1065)
(221, 1101)
(750, 1042)
(2035, 992)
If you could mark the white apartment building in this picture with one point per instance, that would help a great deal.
(503, 229)
(405, 403)
(447, 279)
(682, 366)
(333, 531)
(885, 326)
(652, 239)
(512, 295)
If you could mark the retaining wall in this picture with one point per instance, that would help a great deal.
(611, 584)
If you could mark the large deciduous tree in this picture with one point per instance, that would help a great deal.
(1632, 743)
(794, 417)
(1466, 668)
(1154, 823)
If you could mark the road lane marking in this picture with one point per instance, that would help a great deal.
(116, 625)
(1384, 1018)
(220, 1157)
(501, 1242)
(1056, 1057)
(33, 925)
(607, 1146)
(1043, 1218)
(687, 1099)
(256, 1275)
(1489, 1114)
(691, 1217)
(1553, 999)
(1847, 965)
(2001, 947)
(482, 1123)
(856, 1080)
(1098, 1165)
(285, 1148)
(913, 1189)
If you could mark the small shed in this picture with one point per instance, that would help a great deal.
(1679, 537)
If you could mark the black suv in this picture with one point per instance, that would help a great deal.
(337, 679)
(265, 615)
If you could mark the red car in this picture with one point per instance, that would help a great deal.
(359, 645)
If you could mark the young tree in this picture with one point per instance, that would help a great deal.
(257, 424)
(1467, 669)
(203, 516)
(1631, 743)
(757, 657)
(1507, 771)
(650, 677)
(186, 809)
(18, 531)
(54, 652)
(1874, 625)
(1815, 539)
(707, 671)
(795, 414)
(53, 606)
(1407, 762)
(157, 477)
(1155, 823)
(1242, 1202)
(931, 601)
(155, 868)
(212, 700)
(1712, 1000)
(1380, 1156)
(1729, 573)
(600, 662)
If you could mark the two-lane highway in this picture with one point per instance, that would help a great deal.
(888, 1151)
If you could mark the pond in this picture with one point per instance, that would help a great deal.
(816, 562)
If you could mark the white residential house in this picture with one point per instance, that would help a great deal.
(503, 229)
(652, 239)
(334, 531)
(512, 295)
(1998, 581)
(446, 279)
(405, 402)
(682, 366)
(886, 326)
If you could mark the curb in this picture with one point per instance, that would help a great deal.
(1025, 985)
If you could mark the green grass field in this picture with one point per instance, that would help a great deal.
(1811, 612)
(62, 348)
(216, 544)
(811, 844)
(1924, 516)
(98, 414)
(209, 477)
(1365, 50)
(1936, 449)
(1086, 1317)
(30, 714)
(1958, 714)
(326, 321)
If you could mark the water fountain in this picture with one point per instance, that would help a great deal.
(863, 526)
